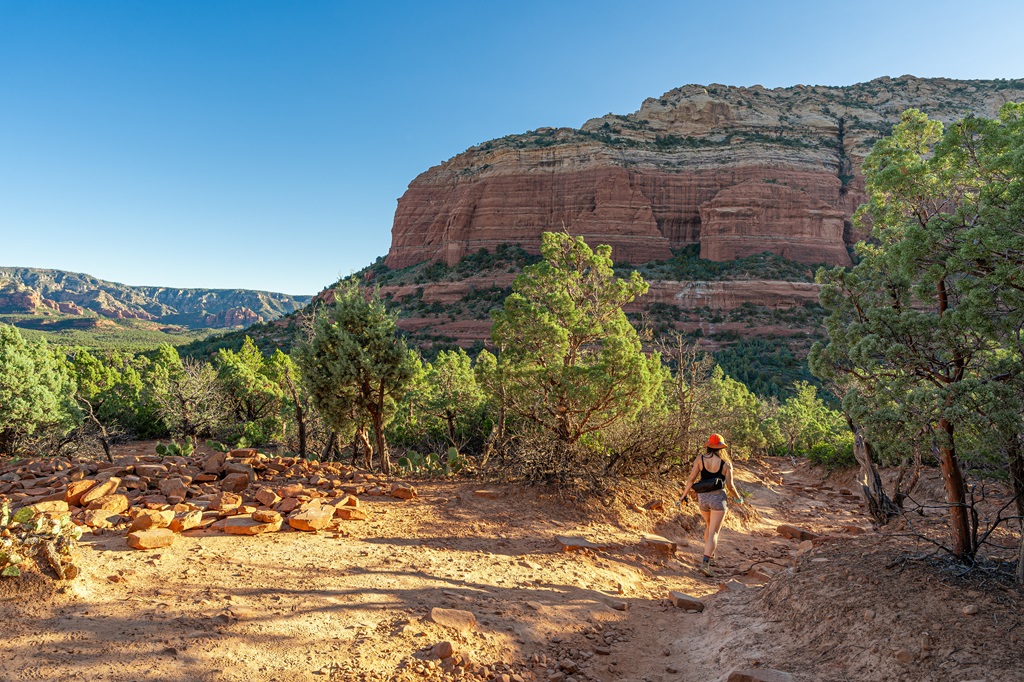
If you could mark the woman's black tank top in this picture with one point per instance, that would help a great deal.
(718, 477)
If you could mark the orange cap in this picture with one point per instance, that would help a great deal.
(716, 442)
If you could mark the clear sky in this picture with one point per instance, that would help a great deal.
(263, 145)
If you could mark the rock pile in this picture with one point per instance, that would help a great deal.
(242, 492)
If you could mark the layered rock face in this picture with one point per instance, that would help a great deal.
(737, 170)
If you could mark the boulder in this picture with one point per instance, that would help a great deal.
(151, 539)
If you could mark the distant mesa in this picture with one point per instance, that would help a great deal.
(736, 170)
(38, 292)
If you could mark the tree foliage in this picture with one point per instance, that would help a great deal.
(355, 366)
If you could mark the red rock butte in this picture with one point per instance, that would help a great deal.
(737, 170)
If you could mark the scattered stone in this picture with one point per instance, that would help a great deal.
(854, 530)
(51, 506)
(235, 483)
(287, 505)
(150, 518)
(115, 504)
(225, 501)
(173, 487)
(290, 491)
(602, 651)
(659, 543)
(684, 601)
(404, 492)
(266, 497)
(313, 519)
(246, 525)
(151, 539)
(655, 505)
(575, 544)
(266, 516)
(617, 605)
(759, 675)
(99, 490)
(100, 518)
(350, 514)
(970, 610)
(443, 650)
(186, 521)
(214, 464)
(794, 533)
(347, 501)
(75, 491)
(904, 656)
(463, 621)
(487, 494)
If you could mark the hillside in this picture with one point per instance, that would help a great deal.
(734, 170)
(59, 301)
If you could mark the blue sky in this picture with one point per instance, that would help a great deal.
(263, 145)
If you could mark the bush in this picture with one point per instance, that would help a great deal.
(27, 534)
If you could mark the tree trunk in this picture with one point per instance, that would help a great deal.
(880, 507)
(959, 521)
(1016, 457)
(382, 444)
(367, 448)
(327, 448)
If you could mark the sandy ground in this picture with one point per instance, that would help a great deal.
(355, 604)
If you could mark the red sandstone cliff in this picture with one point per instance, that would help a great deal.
(738, 170)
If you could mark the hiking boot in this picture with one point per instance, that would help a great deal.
(705, 568)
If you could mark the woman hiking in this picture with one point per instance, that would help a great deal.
(711, 479)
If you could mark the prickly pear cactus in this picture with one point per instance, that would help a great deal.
(29, 534)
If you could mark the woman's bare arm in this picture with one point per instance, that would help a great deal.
(694, 473)
(729, 487)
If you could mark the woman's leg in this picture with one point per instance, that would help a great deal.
(707, 526)
(711, 532)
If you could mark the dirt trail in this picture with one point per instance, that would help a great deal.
(355, 605)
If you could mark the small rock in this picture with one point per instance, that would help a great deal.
(970, 609)
(173, 487)
(443, 650)
(655, 505)
(684, 601)
(100, 518)
(659, 543)
(266, 516)
(235, 483)
(149, 518)
(51, 506)
(759, 675)
(463, 621)
(186, 521)
(487, 494)
(794, 533)
(97, 491)
(151, 539)
(246, 525)
(75, 491)
(224, 501)
(904, 656)
(404, 492)
(214, 464)
(575, 544)
(115, 504)
(313, 519)
(350, 514)
(267, 497)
